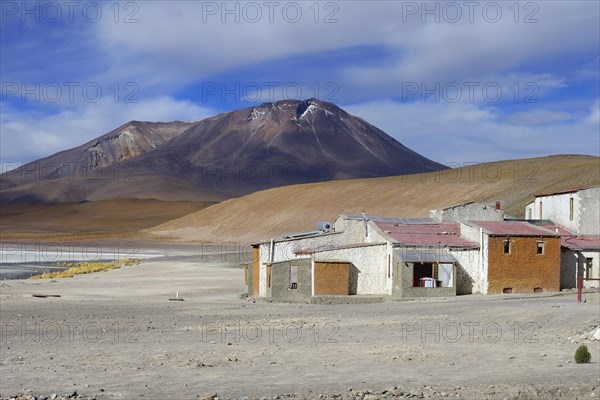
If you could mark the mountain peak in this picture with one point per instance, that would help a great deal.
(294, 110)
(227, 155)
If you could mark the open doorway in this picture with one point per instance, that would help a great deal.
(424, 275)
(433, 274)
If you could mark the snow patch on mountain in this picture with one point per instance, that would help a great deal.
(313, 109)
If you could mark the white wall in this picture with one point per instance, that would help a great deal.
(557, 209)
(286, 250)
(483, 260)
(529, 211)
(573, 264)
(467, 212)
(586, 210)
(371, 262)
(468, 280)
(346, 232)
(595, 256)
(470, 233)
(589, 222)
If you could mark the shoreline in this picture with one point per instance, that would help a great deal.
(19, 271)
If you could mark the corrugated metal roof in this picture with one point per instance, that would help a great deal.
(439, 255)
(571, 241)
(426, 234)
(581, 243)
(512, 228)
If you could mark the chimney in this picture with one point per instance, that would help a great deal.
(497, 205)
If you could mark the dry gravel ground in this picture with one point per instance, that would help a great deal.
(116, 335)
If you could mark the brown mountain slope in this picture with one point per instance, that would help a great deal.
(102, 220)
(228, 155)
(96, 170)
(298, 208)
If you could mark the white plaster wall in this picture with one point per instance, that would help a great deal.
(389, 283)
(371, 262)
(355, 231)
(375, 234)
(346, 232)
(469, 262)
(586, 210)
(470, 233)
(468, 212)
(286, 250)
(595, 256)
(589, 211)
(557, 209)
(530, 211)
(568, 268)
(573, 265)
(483, 274)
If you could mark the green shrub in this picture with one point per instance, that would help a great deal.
(582, 355)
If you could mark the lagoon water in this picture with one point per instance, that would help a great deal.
(23, 261)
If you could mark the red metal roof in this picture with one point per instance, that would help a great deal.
(571, 241)
(581, 243)
(512, 228)
(426, 234)
(564, 191)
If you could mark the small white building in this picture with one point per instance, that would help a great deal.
(575, 214)
(366, 256)
(577, 210)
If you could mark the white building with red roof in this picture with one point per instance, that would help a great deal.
(575, 215)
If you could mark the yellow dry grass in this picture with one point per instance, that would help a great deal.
(273, 212)
(86, 267)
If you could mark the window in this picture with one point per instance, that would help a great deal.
(507, 247)
(571, 209)
(540, 248)
(588, 267)
(294, 277)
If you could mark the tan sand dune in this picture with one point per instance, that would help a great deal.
(297, 208)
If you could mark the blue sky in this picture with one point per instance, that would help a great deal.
(458, 82)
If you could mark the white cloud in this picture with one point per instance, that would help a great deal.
(539, 117)
(172, 46)
(27, 136)
(460, 133)
(179, 42)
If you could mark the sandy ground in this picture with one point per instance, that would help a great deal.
(116, 335)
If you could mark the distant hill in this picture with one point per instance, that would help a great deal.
(298, 208)
(221, 157)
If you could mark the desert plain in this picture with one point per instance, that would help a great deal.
(120, 335)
